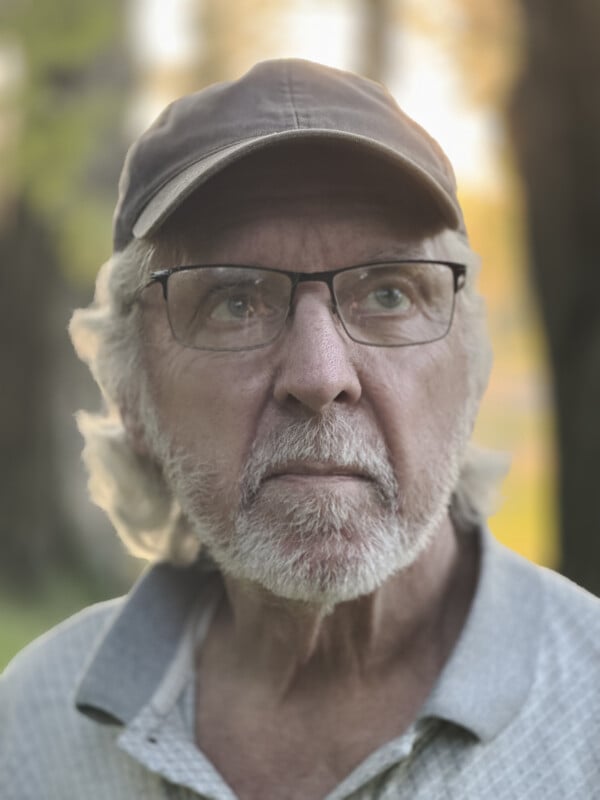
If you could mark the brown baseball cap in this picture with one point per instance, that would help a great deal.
(276, 101)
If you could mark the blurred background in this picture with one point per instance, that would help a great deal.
(509, 89)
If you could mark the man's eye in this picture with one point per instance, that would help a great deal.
(233, 307)
(389, 298)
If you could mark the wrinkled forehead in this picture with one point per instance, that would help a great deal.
(326, 178)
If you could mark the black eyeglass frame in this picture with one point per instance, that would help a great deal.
(162, 276)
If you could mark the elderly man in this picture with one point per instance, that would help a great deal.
(292, 353)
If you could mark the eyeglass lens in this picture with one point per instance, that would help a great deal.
(237, 308)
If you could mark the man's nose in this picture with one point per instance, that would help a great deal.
(316, 368)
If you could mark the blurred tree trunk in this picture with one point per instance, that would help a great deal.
(555, 118)
(33, 531)
(54, 229)
(230, 34)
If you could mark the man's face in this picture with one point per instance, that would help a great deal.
(315, 466)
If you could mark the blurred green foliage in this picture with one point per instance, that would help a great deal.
(64, 96)
(25, 619)
(68, 107)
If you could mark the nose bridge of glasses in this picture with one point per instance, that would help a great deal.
(314, 277)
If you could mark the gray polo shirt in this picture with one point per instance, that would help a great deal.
(102, 707)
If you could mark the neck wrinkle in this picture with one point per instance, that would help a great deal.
(411, 621)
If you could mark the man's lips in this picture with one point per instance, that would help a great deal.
(308, 470)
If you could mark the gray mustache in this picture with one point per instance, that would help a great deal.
(330, 439)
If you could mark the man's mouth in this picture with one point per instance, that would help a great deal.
(316, 470)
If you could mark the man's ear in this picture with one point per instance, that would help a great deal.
(136, 432)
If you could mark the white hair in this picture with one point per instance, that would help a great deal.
(131, 487)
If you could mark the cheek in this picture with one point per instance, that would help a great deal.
(206, 403)
(420, 404)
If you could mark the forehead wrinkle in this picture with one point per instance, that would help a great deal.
(306, 220)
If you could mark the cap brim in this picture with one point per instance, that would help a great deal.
(172, 194)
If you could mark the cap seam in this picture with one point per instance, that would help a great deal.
(290, 92)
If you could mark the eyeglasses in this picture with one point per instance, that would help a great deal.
(227, 307)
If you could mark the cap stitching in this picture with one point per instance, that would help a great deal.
(290, 92)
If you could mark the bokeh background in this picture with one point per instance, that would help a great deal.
(510, 90)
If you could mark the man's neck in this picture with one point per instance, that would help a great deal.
(410, 623)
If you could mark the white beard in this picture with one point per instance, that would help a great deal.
(322, 546)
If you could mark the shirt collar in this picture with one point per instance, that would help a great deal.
(481, 688)
(133, 654)
(487, 678)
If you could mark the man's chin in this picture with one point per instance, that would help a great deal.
(317, 584)
(323, 566)
(324, 546)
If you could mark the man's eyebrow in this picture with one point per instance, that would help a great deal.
(400, 252)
